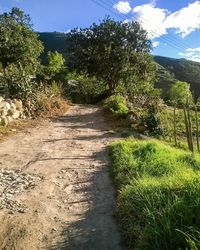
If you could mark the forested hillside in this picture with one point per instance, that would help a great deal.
(181, 69)
(52, 41)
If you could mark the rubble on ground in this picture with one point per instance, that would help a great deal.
(13, 183)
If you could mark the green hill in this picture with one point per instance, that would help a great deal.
(52, 41)
(169, 69)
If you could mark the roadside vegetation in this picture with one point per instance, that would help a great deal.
(110, 63)
(157, 194)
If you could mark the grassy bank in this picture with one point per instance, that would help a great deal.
(158, 194)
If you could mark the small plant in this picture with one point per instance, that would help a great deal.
(117, 105)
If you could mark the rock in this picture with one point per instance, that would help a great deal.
(4, 112)
(9, 110)
(4, 121)
(13, 183)
(18, 104)
(4, 105)
(9, 119)
(16, 114)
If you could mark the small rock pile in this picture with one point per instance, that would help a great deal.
(13, 183)
(10, 110)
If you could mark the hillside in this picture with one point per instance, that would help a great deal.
(169, 69)
(52, 41)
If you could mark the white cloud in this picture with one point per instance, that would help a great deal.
(185, 20)
(151, 18)
(123, 7)
(156, 44)
(157, 21)
(191, 54)
(193, 50)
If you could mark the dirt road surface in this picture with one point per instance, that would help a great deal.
(55, 190)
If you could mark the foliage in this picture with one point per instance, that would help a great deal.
(18, 43)
(117, 105)
(47, 102)
(19, 52)
(83, 89)
(145, 113)
(116, 52)
(55, 63)
(158, 194)
(180, 93)
(151, 119)
(17, 86)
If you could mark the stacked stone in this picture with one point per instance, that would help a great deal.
(10, 110)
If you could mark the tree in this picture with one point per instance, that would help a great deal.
(19, 52)
(55, 63)
(181, 95)
(114, 51)
(18, 43)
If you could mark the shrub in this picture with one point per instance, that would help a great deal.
(158, 194)
(81, 88)
(117, 105)
(47, 102)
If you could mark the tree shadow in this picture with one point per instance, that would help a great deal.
(94, 120)
(95, 228)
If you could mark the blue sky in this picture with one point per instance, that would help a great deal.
(173, 25)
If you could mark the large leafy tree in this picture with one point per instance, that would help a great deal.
(113, 51)
(18, 43)
(19, 53)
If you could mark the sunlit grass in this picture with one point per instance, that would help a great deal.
(158, 194)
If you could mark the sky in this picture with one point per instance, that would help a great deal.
(172, 25)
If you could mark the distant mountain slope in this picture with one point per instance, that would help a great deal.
(169, 69)
(52, 41)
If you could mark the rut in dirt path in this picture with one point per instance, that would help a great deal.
(73, 206)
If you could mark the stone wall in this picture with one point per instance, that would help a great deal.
(10, 110)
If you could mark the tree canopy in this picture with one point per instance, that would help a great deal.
(113, 51)
(55, 62)
(18, 43)
(180, 93)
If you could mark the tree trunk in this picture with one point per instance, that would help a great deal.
(175, 131)
(190, 128)
(187, 128)
(197, 128)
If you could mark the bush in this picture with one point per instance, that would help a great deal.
(83, 89)
(158, 194)
(117, 105)
(47, 102)
(151, 119)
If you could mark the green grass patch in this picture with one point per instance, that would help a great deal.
(158, 194)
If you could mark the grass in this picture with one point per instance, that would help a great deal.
(166, 118)
(158, 194)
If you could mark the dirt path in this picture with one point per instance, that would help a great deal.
(64, 196)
